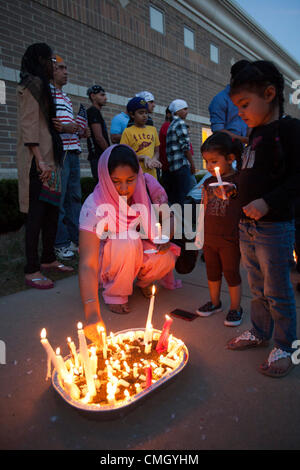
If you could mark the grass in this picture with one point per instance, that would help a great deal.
(12, 262)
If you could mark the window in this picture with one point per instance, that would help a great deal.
(214, 53)
(189, 38)
(157, 20)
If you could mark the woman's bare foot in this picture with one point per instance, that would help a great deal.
(119, 308)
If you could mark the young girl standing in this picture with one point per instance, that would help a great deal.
(267, 189)
(221, 240)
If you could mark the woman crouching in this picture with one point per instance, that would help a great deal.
(114, 236)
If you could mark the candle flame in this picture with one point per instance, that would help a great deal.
(153, 289)
(100, 329)
(69, 339)
(43, 333)
(79, 325)
(57, 351)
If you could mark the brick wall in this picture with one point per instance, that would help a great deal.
(104, 43)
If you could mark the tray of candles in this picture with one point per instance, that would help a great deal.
(120, 370)
(110, 378)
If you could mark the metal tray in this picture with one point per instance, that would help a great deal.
(118, 409)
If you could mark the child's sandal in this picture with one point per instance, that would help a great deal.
(246, 341)
(278, 364)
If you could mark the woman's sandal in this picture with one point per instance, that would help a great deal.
(121, 309)
(57, 267)
(278, 364)
(246, 341)
(36, 285)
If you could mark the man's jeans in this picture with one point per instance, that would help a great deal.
(267, 254)
(181, 184)
(70, 202)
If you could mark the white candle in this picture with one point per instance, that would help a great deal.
(220, 182)
(51, 356)
(84, 353)
(72, 347)
(158, 231)
(217, 171)
(63, 372)
(94, 361)
(104, 342)
(148, 344)
(151, 308)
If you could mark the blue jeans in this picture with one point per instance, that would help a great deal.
(267, 254)
(70, 202)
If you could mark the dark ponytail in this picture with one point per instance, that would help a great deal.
(225, 145)
(256, 77)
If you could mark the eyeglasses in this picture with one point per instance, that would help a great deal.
(53, 59)
(95, 89)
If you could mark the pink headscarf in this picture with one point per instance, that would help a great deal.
(106, 196)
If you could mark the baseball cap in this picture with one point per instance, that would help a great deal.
(136, 103)
(95, 89)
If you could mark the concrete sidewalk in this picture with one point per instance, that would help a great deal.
(219, 401)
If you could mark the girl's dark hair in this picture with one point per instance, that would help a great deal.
(121, 155)
(256, 77)
(31, 65)
(222, 143)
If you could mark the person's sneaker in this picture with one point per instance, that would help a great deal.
(208, 309)
(73, 247)
(234, 317)
(64, 253)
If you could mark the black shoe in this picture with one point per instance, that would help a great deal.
(207, 309)
(234, 317)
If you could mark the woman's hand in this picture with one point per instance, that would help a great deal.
(256, 209)
(92, 327)
(45, 170)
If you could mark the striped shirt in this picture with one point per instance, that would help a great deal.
(177, 143)
(64, 112)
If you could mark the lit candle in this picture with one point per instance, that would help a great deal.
(62, 370)
(72, 347)
(151, 308)
(102, 335)
(162, 344)
(84, 353)
(220, 182)
(158, 231)
(51, 356)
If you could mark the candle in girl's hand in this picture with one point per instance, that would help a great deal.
(162, 344)
(217, 172)
(220, 182)
(84, 353)
(158, 231)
